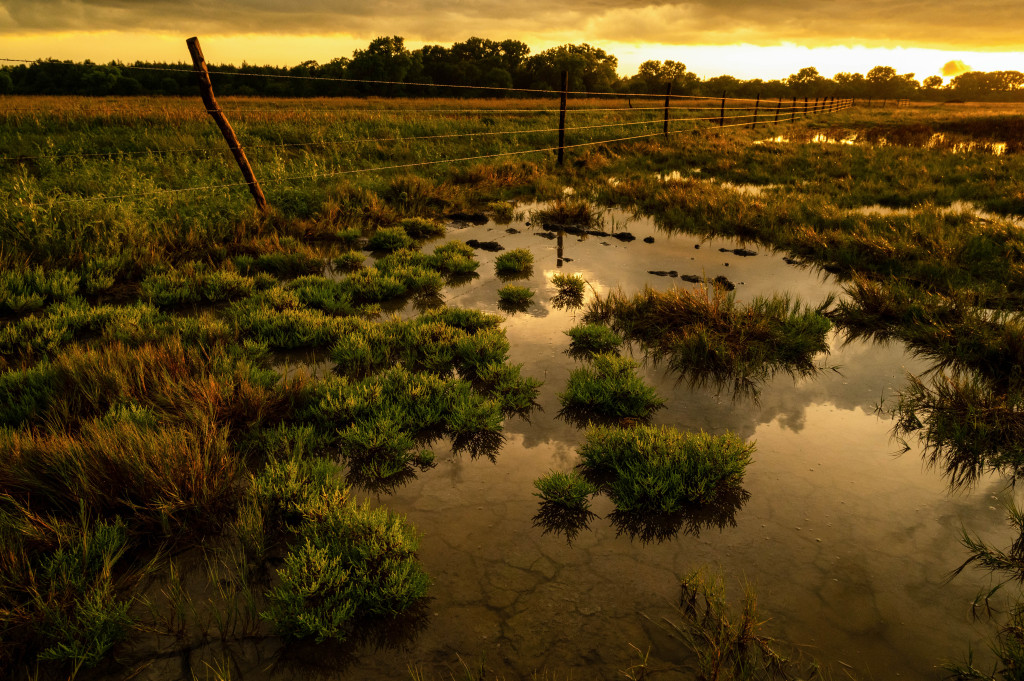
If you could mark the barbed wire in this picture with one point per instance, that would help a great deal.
(371, 140)
(318, 176)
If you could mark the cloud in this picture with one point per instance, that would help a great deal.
(955, 68)
(941, 24)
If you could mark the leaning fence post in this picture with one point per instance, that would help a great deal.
(721, 112)
(777, 107)
(757, 105)
(206, 91)
(561, 117)
(668, 95)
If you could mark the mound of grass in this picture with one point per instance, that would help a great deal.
(280, 264)
(661, 470)
(587, 340)
(609, 389)
(28, 289)
(514, 262)
(568, 213)
(503, 212)
(349, 260)
(387, 239)
(568, 491)
(513, 297)
(455, 258)
(421, 228)
(706, 336)
(199, 284)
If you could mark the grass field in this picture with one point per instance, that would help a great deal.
(143, 314)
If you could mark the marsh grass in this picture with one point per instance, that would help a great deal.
(570, 491)
(705, 336)
(388, 239)
(728, 643)
(514, 298)
(587, 340)
(648, 469)
(563, 213)
(966, 428)
(608, 390)
(513, 264)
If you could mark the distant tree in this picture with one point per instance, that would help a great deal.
(932, 82)
(653, 75)
(807, 82)
(850, 84)
(885, 82)
(714, 87)
(591, 69)
(6, 83)
(385, 59)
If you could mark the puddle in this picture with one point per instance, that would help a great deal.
(847, 545)
(956, 144)
(954, 207)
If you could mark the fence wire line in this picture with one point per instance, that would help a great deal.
(186, 69)
(372, 140)
(400, 166)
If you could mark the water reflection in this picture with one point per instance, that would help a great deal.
(646, 527)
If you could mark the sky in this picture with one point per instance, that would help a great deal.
(745, 38)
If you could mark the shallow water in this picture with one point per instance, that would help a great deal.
(847, 544)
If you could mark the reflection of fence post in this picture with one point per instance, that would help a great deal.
(206, 92)
(668, 95)
(721, 112)
(883, 102)
(777, 108)
(757, 105)
(561, 117)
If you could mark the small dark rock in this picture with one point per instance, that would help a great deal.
(692, 278)
(726, 264)
(724, 283)
(659, 273)
(545, 235)
(485, 245)
(624, 236)
(724, 250)
(527, 224)
(471, 218)
(512, 230)
(648, 239)
(605, 243)
(696, 245)
(744, 252)
(566, 259)
(597, 232)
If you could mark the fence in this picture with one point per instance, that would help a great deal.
(662, 115)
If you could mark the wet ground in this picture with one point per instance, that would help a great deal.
(847, 544)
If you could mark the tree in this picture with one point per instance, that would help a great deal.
(591, 69)
(807, 82)
(932, 82)
(385, 59)
(884, 82)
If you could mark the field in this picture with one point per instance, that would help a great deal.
(497, 417)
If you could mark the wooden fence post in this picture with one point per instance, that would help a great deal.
(668, 95)
(757, 105)
(792, 111)
(561, 117)
(721, 112)
(777, 107)
(206, 91)
(805, 107)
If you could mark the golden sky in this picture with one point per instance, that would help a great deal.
(745, 38)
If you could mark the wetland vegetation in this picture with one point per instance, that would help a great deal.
(153, 420)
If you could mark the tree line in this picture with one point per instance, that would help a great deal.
(493, 64)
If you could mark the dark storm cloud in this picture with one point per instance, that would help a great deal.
(983, 24)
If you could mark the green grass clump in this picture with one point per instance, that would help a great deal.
(592, 339)
(568, 213)
(28, 289)
(348, 563)
(569, 491)
(349, 260)
(706, 336)
(389, 239)
(608, 390)
(280, 264)
(661, 470)
(349, 238)
(197, 284)
(421, 228)
(503, 212)
(514, 297)
(515, 262)
(456, 258)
